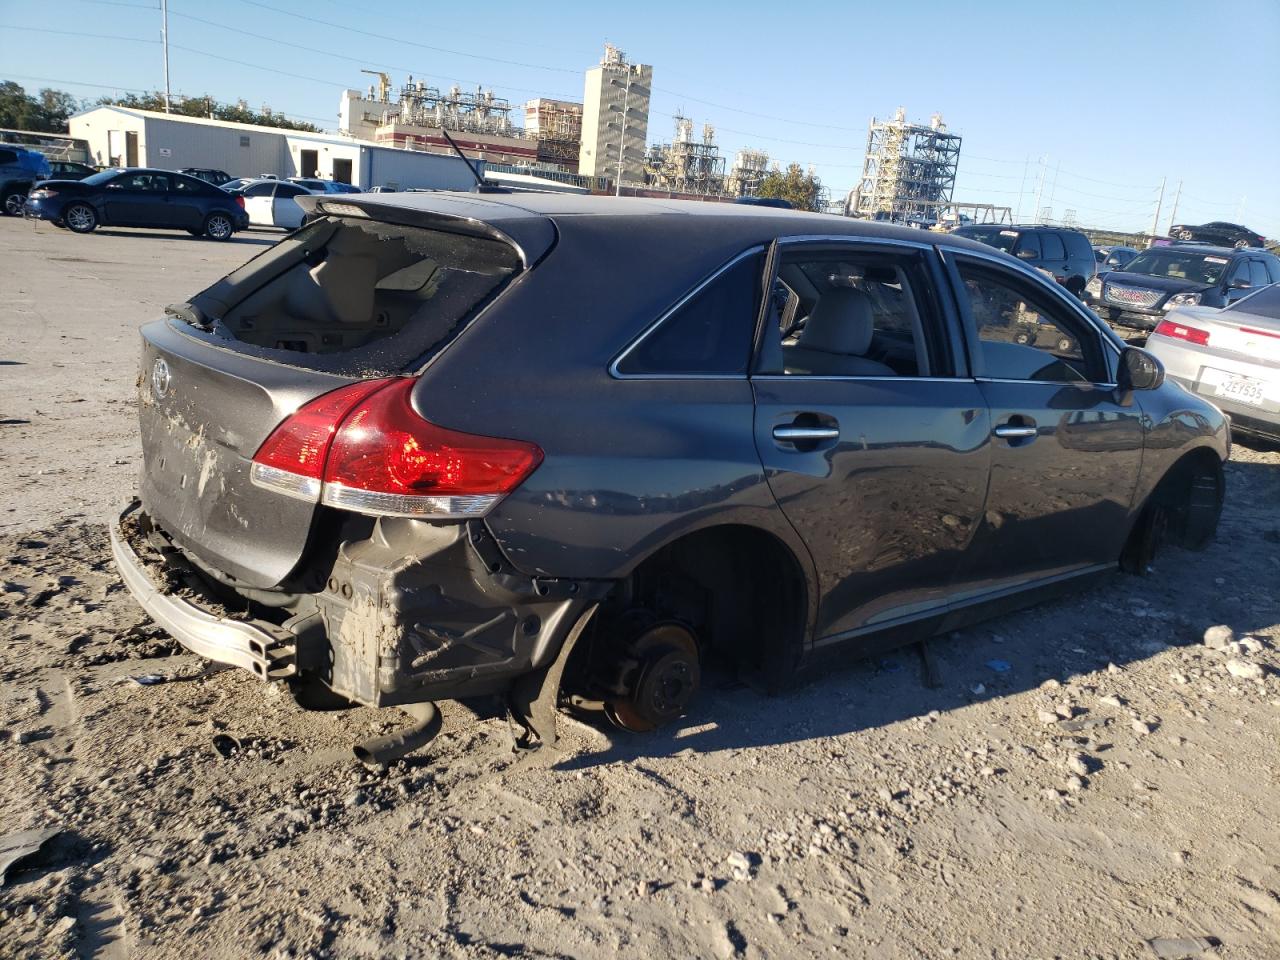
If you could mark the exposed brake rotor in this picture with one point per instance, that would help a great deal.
(663, 680)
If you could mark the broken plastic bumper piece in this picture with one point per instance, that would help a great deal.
(239, 643)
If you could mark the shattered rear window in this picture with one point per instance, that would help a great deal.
(356, 296)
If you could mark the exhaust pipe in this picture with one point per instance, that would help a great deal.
(381, 751)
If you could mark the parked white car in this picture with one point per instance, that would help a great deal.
(273, 203)
(1230, 356)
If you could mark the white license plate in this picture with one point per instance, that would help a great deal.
(1241, 390)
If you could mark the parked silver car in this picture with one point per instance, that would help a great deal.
(1230, 356)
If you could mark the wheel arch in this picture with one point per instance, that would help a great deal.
(1183, 506)
(768, 575)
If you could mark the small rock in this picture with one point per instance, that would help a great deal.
(1075, 784)
(1065, 710)
(1050, 684)
(1218, 636)
(740, 864)
(1111, 701)
(1112, 668)
(356, 799)
(1244, 670)
(1251, 644)
(1046, 716)
(1141, 728)
(1078, 764)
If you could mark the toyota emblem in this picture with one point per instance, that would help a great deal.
(160, 379)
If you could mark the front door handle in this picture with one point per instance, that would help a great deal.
(1009, 432)
(794, 434)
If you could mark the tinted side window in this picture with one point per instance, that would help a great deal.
(1240, 272)
(184, 185)
(1273, 270)
(1258, 273)
(1077, 244)
(8, 156)
(287, 190)
(260, 190)
(1028, 247)
(710, 333)
(1051, 245)
(1023, 335)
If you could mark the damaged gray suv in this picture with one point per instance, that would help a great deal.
(572, 450)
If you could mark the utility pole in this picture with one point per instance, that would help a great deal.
(622, 129)
(1155, 221)
(164, 40)
(1039, 192)
(1173, 214)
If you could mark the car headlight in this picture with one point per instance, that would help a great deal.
(1094, 287)
(1182, 300)
(42, 194)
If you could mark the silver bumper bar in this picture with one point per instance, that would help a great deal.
(239, 643)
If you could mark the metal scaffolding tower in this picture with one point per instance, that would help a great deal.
(686, 165)
(909, 172)
(749, 168)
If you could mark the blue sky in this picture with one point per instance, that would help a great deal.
(1097, 100)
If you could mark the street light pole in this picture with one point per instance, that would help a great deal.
(622, 131)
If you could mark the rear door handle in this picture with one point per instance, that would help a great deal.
(793, 434)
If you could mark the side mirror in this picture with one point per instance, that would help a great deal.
(1025, 254)
(1240, 283)
(1140, 370)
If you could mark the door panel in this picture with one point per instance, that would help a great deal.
(888, 507)
(1066, 444)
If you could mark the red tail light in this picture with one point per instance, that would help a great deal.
(364, 448)
(239, 201)
(1180, 331)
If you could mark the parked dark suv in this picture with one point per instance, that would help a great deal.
(436, 445)
(1064, 253)
(20, 170)
(1179, 275)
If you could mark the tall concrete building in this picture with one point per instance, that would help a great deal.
(615, 117)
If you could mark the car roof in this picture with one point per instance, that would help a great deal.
(1207, 248)
(754, 223)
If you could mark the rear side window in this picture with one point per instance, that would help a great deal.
(1259, 273)
(1028, 247)
(1052, 247)
(707, 335)
(1077, 244)
(352, 295)
(8, 156)
(260, 190)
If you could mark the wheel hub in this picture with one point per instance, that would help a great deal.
(664, 679)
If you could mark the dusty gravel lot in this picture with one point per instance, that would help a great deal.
(1115, 784)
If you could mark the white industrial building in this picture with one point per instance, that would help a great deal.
(123, 136)
(615, 118)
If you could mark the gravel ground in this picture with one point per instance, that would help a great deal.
(1089, 776)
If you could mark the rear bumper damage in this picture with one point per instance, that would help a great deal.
(403, 613)
(240, 643)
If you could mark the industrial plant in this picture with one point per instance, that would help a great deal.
(908, 173)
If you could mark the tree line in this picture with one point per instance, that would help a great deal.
(48, 110)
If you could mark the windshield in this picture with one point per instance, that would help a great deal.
(1179, 265)
(993, 236)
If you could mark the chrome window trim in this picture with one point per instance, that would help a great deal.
(668, 313)
(1056, 384)
(1064, 298)
(857, 239)
(793, 377)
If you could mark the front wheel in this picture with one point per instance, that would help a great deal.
(80, 218)
(1242, 244)
(14, 201)
(218, 226)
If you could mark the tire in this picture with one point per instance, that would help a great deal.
(80, 218)
(14, 201)
(218, 226)
(1239, 244)
(1185, 235)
